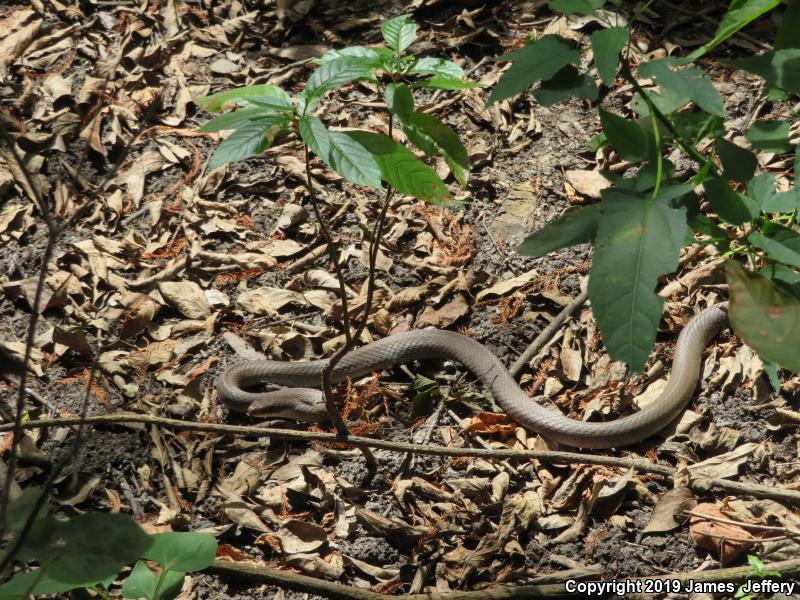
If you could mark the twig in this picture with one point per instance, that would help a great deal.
(784, 530)
(547, 333)
(303, 583)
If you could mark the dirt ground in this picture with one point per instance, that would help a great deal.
(96, 78)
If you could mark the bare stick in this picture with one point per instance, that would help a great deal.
(788, 569)
(547, 333)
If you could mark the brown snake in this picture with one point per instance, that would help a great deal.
(299, 402)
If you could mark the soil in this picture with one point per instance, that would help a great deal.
(182, 480)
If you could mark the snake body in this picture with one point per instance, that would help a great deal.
(299, 402)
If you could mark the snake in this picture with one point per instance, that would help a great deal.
(298, 400)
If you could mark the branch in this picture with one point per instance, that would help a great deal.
(641, 465)
(328, 589)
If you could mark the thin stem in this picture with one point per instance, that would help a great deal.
(659, 159)
(160, 583)
(333, 253)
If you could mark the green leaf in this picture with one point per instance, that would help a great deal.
(183, 550)
(445, 82)
(243, 95)
(400, 101)
(143, 582)
(436, 66)
(93, 547)
(780, 202)
(329, 77)
(433, 137)
(775, 249)
(772, 136)
(788, 35)
(606, 46)
(694, 126)
(575, 227)
(766, 316)
(708, 227)
(399, 33)
(637, 241)
(739, 14)
(761, 188)
(738, 163)
(625, 136)
(690, 82)
(20, 509)
(732, 207)
(250, 139)
(401, 169)
(352, 161)
(18, 585)
(538, 60)
(567, 82)
(233, 120)
(424, 391)
(370, 56)
(575, 7)
(779, 68)
(315, 135)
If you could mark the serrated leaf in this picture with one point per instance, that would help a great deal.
(575, 227)
(575, 7)
(765, 315)
(242, 95)
(730, 206)
(250, 139)
(143, 581)
(400, 101)
(738, 163)
(182, 550)
(625, 136)
(401, 169)
(399, 33)
(331, 76)
(538, 60)
(352, 161)
(606, 46)
(637, 241)
(772, 136)
(739, 14)
(315, 135)
(445, 82)
(430, 65)
(690, 82)
(564, 84)
(778, 69)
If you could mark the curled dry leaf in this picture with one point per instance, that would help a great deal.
(588, 183)
(187, 297)
(667, 512)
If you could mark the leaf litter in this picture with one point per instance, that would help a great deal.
(175, 270)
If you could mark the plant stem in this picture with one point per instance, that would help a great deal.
(159, 584)
(333, 253)
(659, 158)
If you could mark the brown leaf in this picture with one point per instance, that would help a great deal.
(666, 514)
(588, 183)
(444, 316)
(727, 542)
(187, 297)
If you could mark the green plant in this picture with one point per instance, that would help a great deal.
(757, 571)
(90, 550)
(265, 112)
(643, 220)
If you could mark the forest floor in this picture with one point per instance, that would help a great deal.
(173, 273)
